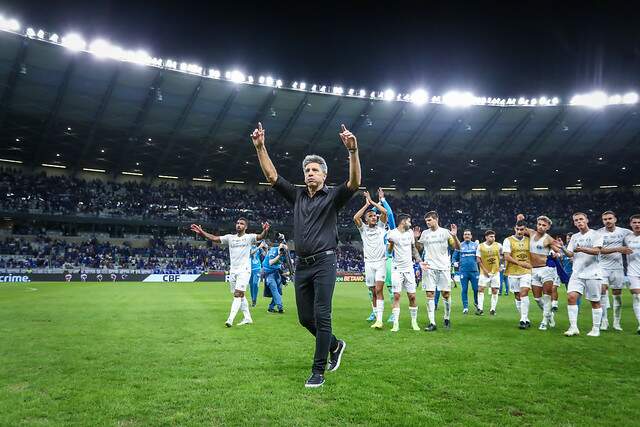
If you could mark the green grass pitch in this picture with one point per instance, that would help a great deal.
(133, 354)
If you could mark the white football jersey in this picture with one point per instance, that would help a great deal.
(239, 250)
(436, 248)
(584, 265)
(633, 260)
(612, 239)
(402, 249)
(373, 242)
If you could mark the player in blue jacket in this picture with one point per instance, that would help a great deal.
(468, 267)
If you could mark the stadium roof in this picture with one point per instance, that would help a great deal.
(71, 108)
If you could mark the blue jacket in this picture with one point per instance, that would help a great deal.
(466, 257)
(256, 259)
(273, 252)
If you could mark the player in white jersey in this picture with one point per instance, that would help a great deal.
(542, 276)
(240, 270)
(586, 279)
(372, 232)
(632, 243)
(435, 243)
(612, 267)
(403, 244)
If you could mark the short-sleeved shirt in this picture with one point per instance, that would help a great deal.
(612, 239)
(584, 265)
(633, 260)
(239, 250)
(373, 241)
(271, 254)
(520, 250)
(314, 218)
(256, 259)
(436, 248)
(402, 249)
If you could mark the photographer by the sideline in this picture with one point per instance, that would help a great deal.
(273, 280)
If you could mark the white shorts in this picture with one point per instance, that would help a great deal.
(634, 283)
(492, 281)
(436, 279)
(591, 289)
(542, 275)
(520, 281)
(613, 278)
(239, 280)
(403, 280)
(375, 272)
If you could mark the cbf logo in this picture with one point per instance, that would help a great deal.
(14, 279)
(171, 278)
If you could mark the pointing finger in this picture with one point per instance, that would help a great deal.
(344, 128)
(259, 126)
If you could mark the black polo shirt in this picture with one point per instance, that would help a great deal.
(314, 218)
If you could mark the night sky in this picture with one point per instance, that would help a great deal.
(489, 48)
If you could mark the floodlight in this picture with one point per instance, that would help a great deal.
(31, 32)
(74, 42)
(419, 97)
(269, 80)
(54, 38)
(363, 92)
(278, 83)
(630, 98)
(237, 76)
(303, 86)
(458, 99)
(389, 94)
(40, 34)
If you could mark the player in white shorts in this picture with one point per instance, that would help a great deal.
(240, 270)
(517, 254)
(402, 243)
(372, 232)
(435, 243)
(542, 276)
(632, 242)
(488, 256)
(586, 279)
(612, 267)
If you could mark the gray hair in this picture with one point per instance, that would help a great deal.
(314, 158)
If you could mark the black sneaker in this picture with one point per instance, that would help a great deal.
(271, 310)
(492, 312)
(447, 323)
(280, 311)
(228, 324)
(430, 328)
(336, 356)
(554, 309)
(253, 304)
(522, 325)
(528, 324)
(314, 381)
(479, 312)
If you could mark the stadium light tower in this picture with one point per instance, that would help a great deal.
(74, 42)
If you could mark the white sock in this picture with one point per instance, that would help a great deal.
(604, 304)
(524, 309)
(431, 311)
(413, 311)
(554, 303)
(596, 315)
(518, 305)
(617, 308)
(481, 300)
(379, 309)
(539, 302)
(636, 306)
(572, 311)
(447, 307)
(494, 301)
(235, 306)
(546, 308)
(244, 306)
(396, 316)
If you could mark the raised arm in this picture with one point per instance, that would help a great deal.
(357, 218)
(265, 230)
(383, 211)
(199, 230)
(454, 242)
(268, 169)
(349, 140)
(391, 219)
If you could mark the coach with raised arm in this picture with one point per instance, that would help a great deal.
(315, 219)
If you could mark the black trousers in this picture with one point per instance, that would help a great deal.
(314, 284)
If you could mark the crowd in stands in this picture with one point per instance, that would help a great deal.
(47, 252)
(170, 201)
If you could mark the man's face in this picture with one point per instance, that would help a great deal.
(491, 238)
(635, 225)
(241, 226)
(407, 223)
(609, 221)
(520, 230)
(371, 218)
(313, 175)
(580, 221)
(431, 222)
(542, 226)
(467, 236)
